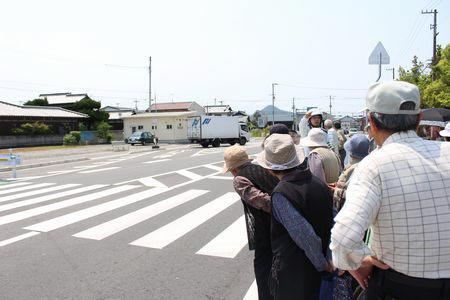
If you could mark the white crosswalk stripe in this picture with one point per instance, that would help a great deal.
(33, 193)
(13, 185)
(114, 226)
(26, 188)
(59, 205)
(13, 205)
(227, 244)
(252, 293)
(167, 234)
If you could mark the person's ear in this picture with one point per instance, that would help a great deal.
(419, 119)
(373, 126)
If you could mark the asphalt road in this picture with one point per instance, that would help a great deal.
(150, 225)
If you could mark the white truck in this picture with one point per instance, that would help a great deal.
(216, 130)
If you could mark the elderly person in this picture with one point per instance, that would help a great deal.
(357, 147)
(301, 222)
(446, 132)
(401, 190)
(322, 161)
(332, 136)
(254, 185)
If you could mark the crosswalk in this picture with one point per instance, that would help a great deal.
(38, 208)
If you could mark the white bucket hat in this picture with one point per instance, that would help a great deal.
(316, 138)
(446, 131)
(279, 153)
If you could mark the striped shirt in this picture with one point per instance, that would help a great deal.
(403, 191)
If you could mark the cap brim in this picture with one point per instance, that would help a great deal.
(306, 142)
(444, 133)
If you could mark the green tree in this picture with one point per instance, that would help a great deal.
(103, 131)
(37, 102)
(92, 109)
(36, 128)
(434, 93)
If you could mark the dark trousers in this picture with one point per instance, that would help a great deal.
(262, 264)
(390, 285)
(342, 154)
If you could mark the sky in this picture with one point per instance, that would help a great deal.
(211, 50)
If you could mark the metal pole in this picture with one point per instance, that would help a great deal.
(379, 70)
(150, 83)
(273, 103)
(293, 113)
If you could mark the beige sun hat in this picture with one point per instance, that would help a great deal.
(234, 157)
(279, 153)
(316, 138)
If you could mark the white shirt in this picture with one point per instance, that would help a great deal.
(403, 191)
(333, 140)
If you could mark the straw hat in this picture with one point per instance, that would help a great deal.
(234, 156)
(316, 138)
(279, 153)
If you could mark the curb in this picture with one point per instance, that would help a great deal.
(50, 163)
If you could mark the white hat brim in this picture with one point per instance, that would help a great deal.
(445, 133)
(263, 162)
(307, 142)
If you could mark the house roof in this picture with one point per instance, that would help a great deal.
(218, 108)
(117, 115)
(116, 109)
(63, 98)
(163, 114)
(171, 106)
(8, 109)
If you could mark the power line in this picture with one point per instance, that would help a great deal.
(322, 88)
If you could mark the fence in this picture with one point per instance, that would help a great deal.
(14, 141)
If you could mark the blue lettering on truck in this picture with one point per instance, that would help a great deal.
(206, 121)
(195, 122)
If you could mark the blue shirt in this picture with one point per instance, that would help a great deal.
(299, 230)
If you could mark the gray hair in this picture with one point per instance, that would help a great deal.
(328, 124)
(396, 123)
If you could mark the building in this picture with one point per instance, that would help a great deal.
(115, 115)
(218, 110)
(64, 100)
(264, 117)
(60, 120)
(177, 107)
(169, 127)
(348, 122)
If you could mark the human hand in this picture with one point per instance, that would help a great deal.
(329, 268)
(364, 272)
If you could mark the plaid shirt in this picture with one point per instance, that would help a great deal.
(403, 191)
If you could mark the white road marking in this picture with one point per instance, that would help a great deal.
(229, 242)
(152, 182)
(114, 226)
(59, 172)
(90, 212)
(13, 185)
(18, 238)
(156, 161)
(252, 293)
(98, 170)
(41, 191)
(25, 188)
(222, 177)
(178, 228)
(213, 167)
(164, 156)
(189, 174)
(82, 167)
(63, 204)
(13, 205)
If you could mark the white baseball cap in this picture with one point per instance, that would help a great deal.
(387, 97)
(446, 131)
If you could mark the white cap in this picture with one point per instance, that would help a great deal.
(315, 112)
(316, 138)
(387, 97)
(446, 131)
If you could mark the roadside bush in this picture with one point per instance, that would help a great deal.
(109, 137)
(70, 139)
(36, 128)
(77, 135)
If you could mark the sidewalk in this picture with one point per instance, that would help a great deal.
(46, 156)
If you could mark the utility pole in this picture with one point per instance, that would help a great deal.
(154, 97)
(273, 103)
(293, 114)
(135, 105)
(150, 83)
(435, 33)
(393, 72)
(331, 97)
